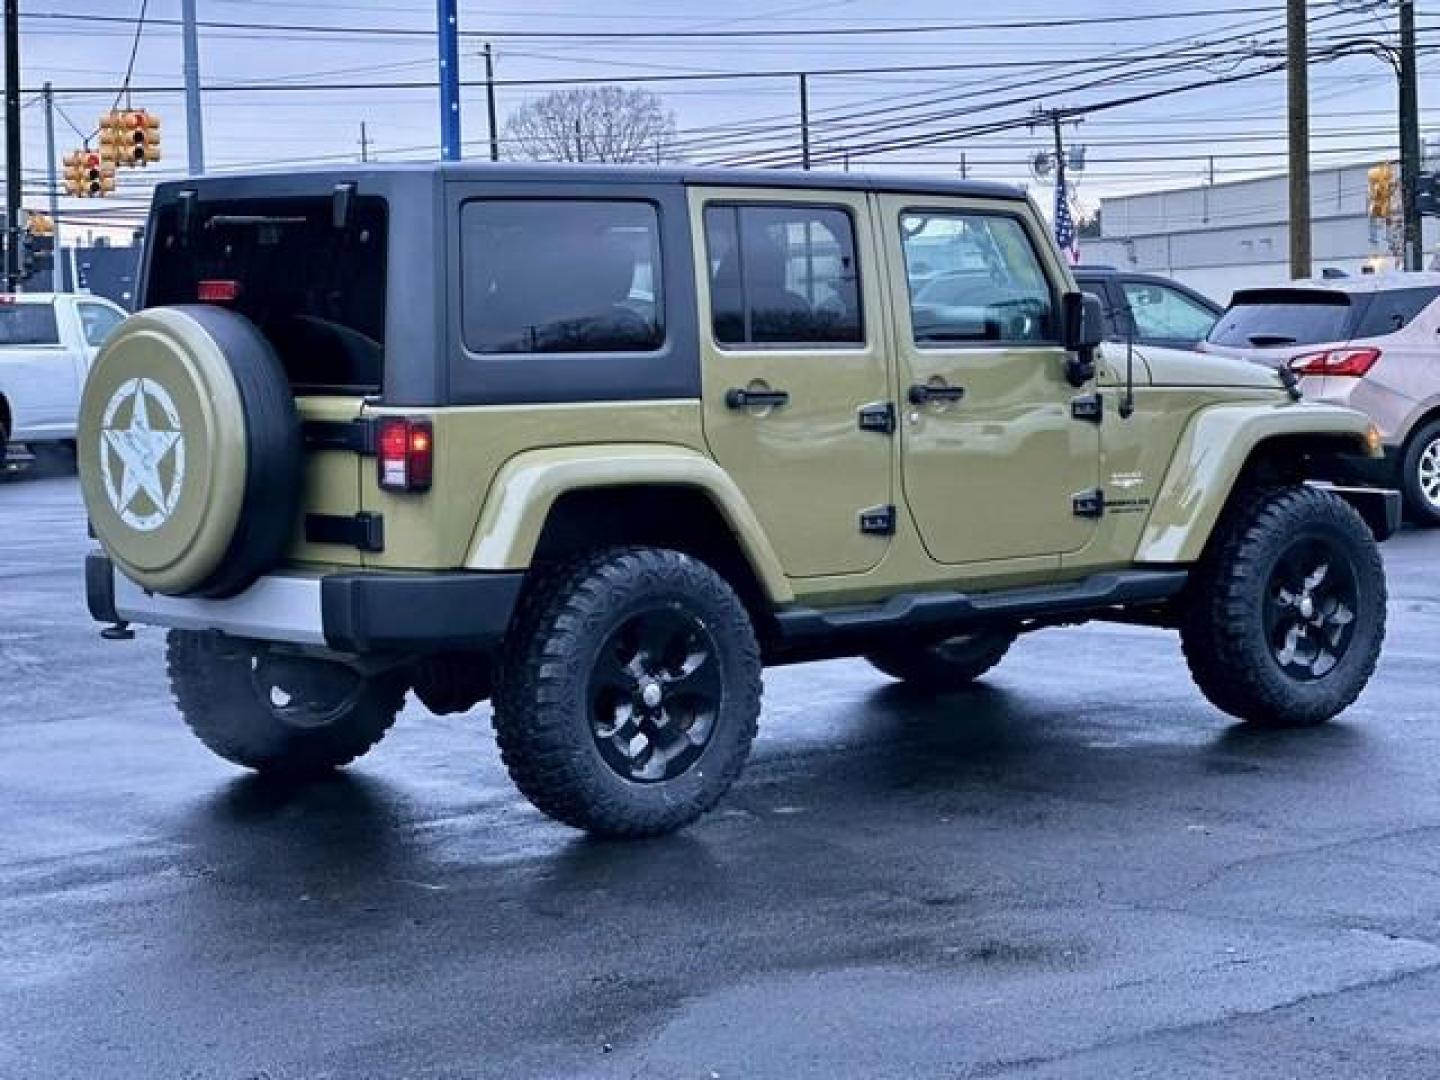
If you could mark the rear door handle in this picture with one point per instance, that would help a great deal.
(921, 394)
(737, 398)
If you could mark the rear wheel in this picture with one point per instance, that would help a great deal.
(1420, 475)
(940, 666)
(1286, 612)
(629, 692)
(275, 713)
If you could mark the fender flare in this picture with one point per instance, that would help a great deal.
(1215, 447)
(526, 488)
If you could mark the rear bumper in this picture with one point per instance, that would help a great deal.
(349, 612)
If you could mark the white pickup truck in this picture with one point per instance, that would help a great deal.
(47, 342)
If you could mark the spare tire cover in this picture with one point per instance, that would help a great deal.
(189, 451)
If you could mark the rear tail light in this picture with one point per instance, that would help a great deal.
(1352, 363)
(217, 292)
(406, 450)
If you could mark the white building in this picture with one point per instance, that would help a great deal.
(1221, 237)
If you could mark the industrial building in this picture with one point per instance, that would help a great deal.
(1231, 235)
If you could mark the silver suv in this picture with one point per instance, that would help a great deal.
(1372, 343)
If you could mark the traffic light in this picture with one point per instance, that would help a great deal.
(1382, 191)
(74, 174)
(37, 224)
(98, 174)
(130, 138)
(1427, 194)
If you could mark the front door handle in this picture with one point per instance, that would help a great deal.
(737, 398)
(924, 394)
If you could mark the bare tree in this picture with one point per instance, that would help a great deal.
(592, 123)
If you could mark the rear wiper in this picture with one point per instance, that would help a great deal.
(1261, 341)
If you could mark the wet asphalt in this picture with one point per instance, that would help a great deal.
(1077, 870)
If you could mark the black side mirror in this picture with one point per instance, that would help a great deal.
(1082, 320)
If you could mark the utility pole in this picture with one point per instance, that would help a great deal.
(364, 144)
(1410, 141)
(1298, 96)
(194, 124)
(14, 210)
(964, 167)
(804, 121)
(448, 31)
(490, 103)
(1061, 191)
(57, 282)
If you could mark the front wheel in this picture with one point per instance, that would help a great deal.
(629, 691)
(275, 713)
(1286, 612)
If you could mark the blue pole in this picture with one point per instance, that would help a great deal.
(448, 30)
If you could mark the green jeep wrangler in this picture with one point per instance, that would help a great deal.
(600, 443)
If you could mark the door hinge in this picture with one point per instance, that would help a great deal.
(879, 417)
(358, 436)
(878, 521)
(1089, 407)
(1089, 504)
(364, 530)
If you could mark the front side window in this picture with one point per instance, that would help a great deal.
(1161, 312)
(28, 324)
(783, 275)
(974, 277)
(561, 276)
(97, 320)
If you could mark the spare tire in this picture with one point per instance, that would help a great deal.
(189, 451)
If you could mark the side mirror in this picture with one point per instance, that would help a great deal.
(1082, 319)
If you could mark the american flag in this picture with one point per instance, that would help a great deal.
(1065, 235)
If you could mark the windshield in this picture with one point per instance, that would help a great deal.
(28, 324)
(315, 291)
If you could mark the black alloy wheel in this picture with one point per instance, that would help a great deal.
(1310, 608)
(655, 693)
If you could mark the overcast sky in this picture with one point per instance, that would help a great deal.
(999, 75)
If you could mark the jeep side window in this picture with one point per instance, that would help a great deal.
(561, 276)
(974, 277)
(782, 275)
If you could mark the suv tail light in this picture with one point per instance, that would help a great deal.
(1352, 363)
(406, 451)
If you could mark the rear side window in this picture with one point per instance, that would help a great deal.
(315, 291)
(1263, 318)
(974, 277)
(1392, 310)
(28, 324)
(97, 320)
(561, 276)
(783, 275)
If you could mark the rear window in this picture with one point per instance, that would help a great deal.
(315, 291)
(1281, 317)
(28, 324)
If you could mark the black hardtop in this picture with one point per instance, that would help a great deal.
(322, 179)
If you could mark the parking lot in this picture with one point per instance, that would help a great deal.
(1079, 869)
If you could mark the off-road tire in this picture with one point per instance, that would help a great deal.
(943, 666)
(211, 683)
(1222, 627)
(543, 698)
(1421, 452)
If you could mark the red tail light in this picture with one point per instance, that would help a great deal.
(217, 292)
(406, 450)
(1351, 363)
